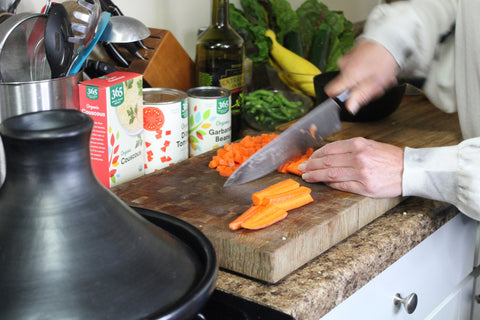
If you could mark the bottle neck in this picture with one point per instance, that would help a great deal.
(220, 13)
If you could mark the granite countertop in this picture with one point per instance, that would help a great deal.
(313, 290)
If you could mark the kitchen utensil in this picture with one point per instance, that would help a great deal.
(95, 68)
(123, 29)
(58, 31)
(125, 32)
(39, 66)
(79, 18)
(375, 110)
(9, 5)
(14, 59)
(309, 131)
(83, 55)
(4, 16)
(94, 257)
(109, 6)
(91, 18)
(115, 55)
(14, 54)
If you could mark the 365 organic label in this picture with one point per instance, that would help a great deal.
(209, 119)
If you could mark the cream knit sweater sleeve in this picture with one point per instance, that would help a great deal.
(415, 33)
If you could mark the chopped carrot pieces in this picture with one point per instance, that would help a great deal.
(291, 166)
(234, 154)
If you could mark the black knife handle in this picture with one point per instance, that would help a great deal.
(115, 55)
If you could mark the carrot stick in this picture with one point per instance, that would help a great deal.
(237, 223)
(289, 203)
(264, 217)
(282, 186)
(293, 167)
(281, 169)
(284, 196)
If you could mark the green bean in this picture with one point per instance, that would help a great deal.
(270, 108)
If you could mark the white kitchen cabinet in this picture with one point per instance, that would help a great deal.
(457, 305)
(438, 271)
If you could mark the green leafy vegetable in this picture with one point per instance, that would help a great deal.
(256, 16)
(283, 19)
(256, 34)
(312, 15)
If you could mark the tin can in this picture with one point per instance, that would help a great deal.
(165, 123)
(210, 119)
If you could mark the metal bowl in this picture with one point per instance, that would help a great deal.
(375, 110)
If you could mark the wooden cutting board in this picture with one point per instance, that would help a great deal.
(193, 192)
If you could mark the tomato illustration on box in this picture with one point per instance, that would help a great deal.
(115, 103)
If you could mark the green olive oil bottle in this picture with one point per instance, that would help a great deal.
(219, 60)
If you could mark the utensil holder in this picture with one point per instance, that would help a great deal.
(168, 65)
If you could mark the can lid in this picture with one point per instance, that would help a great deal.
(162, 96)
(208, 92)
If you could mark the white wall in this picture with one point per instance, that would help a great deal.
(184, 17)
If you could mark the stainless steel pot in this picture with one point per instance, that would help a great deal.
(23, 97)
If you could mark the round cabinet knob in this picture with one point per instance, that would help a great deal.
(409, 303)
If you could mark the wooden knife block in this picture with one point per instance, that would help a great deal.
(168, 64)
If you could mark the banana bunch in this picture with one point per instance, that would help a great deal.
(295, 71)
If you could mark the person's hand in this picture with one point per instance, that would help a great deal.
(357, 165)
(368, 71)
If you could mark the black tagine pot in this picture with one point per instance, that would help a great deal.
(375, 110)
(70, 249)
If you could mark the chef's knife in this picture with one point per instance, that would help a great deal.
(309, 131)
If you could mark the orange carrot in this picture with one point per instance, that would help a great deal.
(271, 205)
(233, 154)
(309, 152)
(293, 167)
(237, 223)
(264, 216)
(281, 169)
(300, 198)
(282, 186)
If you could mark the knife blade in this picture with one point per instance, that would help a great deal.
(308, 131)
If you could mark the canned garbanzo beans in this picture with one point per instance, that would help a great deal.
(165, 123)
(210, 120)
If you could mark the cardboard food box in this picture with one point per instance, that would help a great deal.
(115, 103)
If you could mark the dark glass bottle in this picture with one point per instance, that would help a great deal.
(219, 59)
